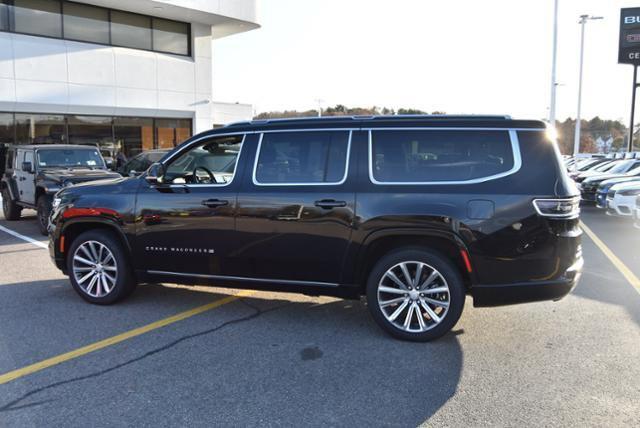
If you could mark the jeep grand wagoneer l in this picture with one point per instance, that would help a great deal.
(413, 212)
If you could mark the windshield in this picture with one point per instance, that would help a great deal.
(69, 158)
(622, 167)
(606, 166)
(634, 171)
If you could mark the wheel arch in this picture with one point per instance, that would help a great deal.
(75, 227)
(380, 243)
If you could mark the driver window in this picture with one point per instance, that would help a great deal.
(209, 162)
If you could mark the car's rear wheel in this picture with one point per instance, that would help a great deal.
(99, 269)
(43, 208)
(10, 209)
(415, 295)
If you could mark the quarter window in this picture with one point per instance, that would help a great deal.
(315, 157)
(439, 156)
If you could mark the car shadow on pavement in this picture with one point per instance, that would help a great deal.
(277, 360)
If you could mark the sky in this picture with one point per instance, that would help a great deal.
(457, 56)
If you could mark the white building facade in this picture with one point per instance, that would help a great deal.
(127, 75)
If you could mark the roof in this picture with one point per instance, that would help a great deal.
(53, 146)
(399, 121)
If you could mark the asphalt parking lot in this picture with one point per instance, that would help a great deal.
(286, 359)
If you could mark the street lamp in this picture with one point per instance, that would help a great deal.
(554, 85)
(582, 22)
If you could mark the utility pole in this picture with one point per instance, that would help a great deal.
(554, 84)
(576, 142)
(319, 101)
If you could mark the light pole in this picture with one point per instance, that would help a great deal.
(576, 142)
(554, 85)
(319, 101)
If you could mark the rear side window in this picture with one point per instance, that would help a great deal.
(10, 158)
(436, 156)
(313, 158)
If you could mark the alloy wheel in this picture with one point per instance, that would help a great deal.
(95, 268)
(413, 296)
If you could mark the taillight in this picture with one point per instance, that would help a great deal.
(558, 208)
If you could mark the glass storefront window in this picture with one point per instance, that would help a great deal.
(171, 132)
(40, 129)
(6, 128)
(41, 17)
(133, 135)
(170, 36)
(130, 30)
(95, 131)
(4, 16)
(86, 23)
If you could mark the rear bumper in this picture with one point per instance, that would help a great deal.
(510, 294)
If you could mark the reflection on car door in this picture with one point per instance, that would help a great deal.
(187, 228)
(296, 207)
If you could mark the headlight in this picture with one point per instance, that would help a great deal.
(56, 203)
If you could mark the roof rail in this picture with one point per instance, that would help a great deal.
(371, 117)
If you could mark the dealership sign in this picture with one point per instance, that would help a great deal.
(629, 50)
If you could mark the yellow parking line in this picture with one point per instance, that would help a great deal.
(15, 374)
(624, 270)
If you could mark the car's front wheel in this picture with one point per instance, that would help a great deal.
(415, 295)
(99, 269)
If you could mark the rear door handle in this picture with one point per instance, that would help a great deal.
(213, 203)
(330, 203)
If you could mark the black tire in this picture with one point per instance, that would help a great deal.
(125, 282)
(43, 207)
(10, 209)
(448, 272)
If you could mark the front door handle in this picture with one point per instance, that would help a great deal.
(213, 203)
(330, 203)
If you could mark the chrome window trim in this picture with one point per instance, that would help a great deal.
(336, 183)
(241, 278)
(190, 146)
(515, 147)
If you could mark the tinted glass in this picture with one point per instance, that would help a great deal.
(130, 30)
(6, 128)
(219, 157)
(40, 17)
(40, 128)
(4, 17)
(87, 23)
(432, 156)
(302, 157)
(170, 36)
(70, 158)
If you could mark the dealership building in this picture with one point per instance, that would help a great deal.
(127, 75)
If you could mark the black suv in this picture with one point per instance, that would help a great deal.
(413, 212)
(32, 174)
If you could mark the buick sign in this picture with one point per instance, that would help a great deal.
(629, 50)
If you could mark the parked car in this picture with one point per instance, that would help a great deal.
(596, 170)
(141, 162)
(413, 212)
(591, 166)
(32, 174)
(621, 198)
(636, 213)
(604, 187)
(626, 168)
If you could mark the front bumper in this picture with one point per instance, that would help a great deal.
(601, 200)
(621, 205)
(526, 292)
(588, 195)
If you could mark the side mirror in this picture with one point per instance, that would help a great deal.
(133, 173)
(27, 167)
(155, 173)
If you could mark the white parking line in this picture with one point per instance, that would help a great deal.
(24, 238)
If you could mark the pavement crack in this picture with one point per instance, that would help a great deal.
(15, 404)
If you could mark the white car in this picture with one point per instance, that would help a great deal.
(636, 212)
(621, 199)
